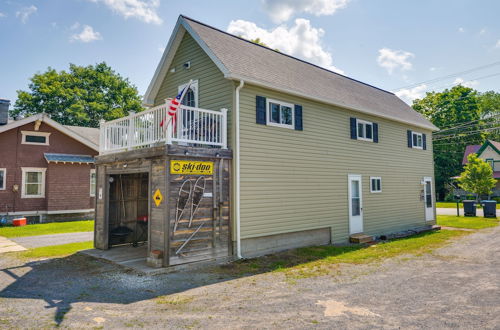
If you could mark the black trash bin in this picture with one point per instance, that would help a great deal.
(469, 208)
(489, 209)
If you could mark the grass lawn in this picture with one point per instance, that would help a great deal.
(54, 250)
(315, 261)
(466, 222)
(453, 205)
(48, 228)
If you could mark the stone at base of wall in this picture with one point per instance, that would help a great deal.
(258, 246)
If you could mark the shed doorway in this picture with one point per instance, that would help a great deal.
(129, 210)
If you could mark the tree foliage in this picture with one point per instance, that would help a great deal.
(465, 117)
(477, 176)
(81, 96)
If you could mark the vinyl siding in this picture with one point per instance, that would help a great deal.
(214, 91)
(297, 180)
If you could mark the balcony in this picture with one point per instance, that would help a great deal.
(192, 127)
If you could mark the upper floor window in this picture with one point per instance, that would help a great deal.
(37, 138)
(33, 182)
(280, 114)
(365, 130)
(92, 183)
(3, 178)
(416, 140)
(491, 162)
(375, 184)
(191, 97)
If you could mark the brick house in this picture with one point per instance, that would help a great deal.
(47, 169)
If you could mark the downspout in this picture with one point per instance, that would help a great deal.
(237, 169)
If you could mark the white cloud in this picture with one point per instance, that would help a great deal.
(394, 59)
(86, 35)
(24, 13)
(461, 29)
(144, 10)
(283, 10)
(2, 15)
(410, 94)
(497, 45)
(161, 49)
(463, 82)
(483, 31)
(300, 40)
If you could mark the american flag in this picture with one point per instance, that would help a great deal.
(174, 105)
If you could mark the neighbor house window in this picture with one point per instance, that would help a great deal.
(3, 178)
(491, 162)
(280, 114)
(375, 184)
(417, 140)
(33, 182)
(40, 138)
(92, 182)
(365, 130)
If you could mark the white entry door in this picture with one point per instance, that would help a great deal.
(429, 206)
(355, 204)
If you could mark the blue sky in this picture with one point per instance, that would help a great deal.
(390, 44)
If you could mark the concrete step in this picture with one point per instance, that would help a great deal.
(360, 238)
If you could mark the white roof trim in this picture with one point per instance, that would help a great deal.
(168, 55)
(43, 117)
(309, 97)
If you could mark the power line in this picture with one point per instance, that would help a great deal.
(466, 81)
(467, 126)
(448, 76)
(466, 134)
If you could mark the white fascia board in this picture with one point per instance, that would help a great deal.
(21, 122)
(306, 96)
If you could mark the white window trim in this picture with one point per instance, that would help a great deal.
(46, 134)
(371, 187)
(422, 137)
(268, 113)
(4, 183)
(92, 192)
(364, 122)
(194, 87)
(23, 181)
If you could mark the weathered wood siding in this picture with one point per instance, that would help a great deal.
(297, 180)
(214, 91)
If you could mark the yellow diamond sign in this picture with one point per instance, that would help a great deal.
(158, 197)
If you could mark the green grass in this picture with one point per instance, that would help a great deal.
(47, 228)
(466, 222)
(320, 260)
(453, 205)
(54, 250)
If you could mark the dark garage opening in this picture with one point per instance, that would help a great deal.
(128, 209)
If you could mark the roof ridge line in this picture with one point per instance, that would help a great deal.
(284, 54)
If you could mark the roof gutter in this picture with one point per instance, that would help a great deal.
(237, 169)
(430, 127)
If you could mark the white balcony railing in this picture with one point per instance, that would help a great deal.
(193, 126)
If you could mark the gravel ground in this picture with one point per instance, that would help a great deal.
(54, 239)
(454, 287)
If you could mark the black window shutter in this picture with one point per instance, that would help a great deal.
(375, 132)
(260, 110)
(354, 132)
(424, 142)
(298, 117)
(408, 134)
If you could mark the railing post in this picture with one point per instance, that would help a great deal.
(130, 131)
(224, 128)
(102, 136)
(170, 124)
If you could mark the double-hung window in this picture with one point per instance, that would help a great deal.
(3, 178)
(33, 182)
(280, 114)
(375, 184)
(92, 183)
(417, 140)
(365, 130)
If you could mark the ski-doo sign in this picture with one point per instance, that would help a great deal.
(191, 167)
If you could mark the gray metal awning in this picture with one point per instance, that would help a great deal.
(68, 158)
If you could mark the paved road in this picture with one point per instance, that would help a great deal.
(448, 211)
(55, 239)
(454, 287)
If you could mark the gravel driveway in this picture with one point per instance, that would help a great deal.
(54, 239)
(454, 287)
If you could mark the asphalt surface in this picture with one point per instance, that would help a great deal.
(54, 239)
(455, 287)
(453, 211)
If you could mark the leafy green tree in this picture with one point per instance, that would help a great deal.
(81, 96)
(447, 109)
(477, 177)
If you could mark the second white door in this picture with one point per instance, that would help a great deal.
(355, 204)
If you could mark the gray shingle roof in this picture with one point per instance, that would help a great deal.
(90, 133)
(68, 158)
(254, 63)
